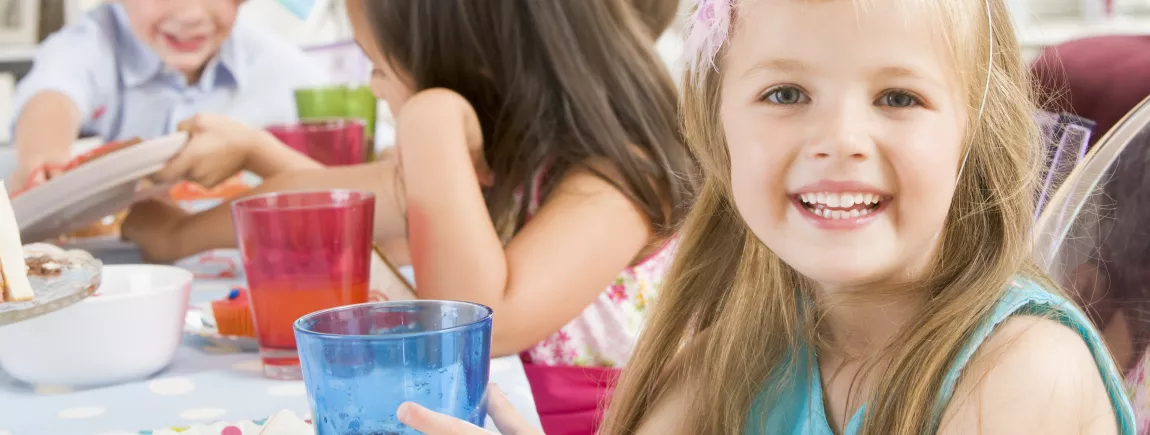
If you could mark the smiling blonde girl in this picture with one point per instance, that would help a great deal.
(858, 261)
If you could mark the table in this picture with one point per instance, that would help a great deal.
(204, 384)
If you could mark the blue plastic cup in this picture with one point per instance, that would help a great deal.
(360, 362)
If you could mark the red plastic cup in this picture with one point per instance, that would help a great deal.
(333, 142)
(302, 252)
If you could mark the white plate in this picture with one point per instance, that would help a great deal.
(93, 190)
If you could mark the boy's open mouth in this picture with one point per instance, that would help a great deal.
(836, 206)
(187, 44)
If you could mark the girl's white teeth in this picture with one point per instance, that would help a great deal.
(844, 200)
(841, 214)
(837, 206)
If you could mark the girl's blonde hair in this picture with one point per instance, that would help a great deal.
(736, 296)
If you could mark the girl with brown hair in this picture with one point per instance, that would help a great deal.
(539, 171)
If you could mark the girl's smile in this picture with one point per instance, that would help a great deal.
(840, 205)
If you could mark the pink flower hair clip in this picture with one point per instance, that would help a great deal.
(707, 31)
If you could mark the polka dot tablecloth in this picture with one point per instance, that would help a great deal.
(249, 427)
(205, 388)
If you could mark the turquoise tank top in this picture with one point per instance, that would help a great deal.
(799, 411)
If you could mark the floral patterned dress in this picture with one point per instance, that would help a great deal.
(605, 332)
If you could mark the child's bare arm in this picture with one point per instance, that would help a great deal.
(573, 248)
(220, 147)
(72, 74)
(166, 236)
(47, 127)
(1032, 376)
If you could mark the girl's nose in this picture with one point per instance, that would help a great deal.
(840, 133)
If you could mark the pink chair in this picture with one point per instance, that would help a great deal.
(1100, 78)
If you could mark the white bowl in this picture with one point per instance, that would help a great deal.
(129, 330)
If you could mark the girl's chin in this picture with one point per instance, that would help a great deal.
(846, 276)
(837, 283)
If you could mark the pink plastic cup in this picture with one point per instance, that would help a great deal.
(333, 142)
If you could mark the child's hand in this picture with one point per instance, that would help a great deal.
(154, 226)
(502, 413)
(217, 149)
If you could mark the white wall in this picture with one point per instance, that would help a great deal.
(1071, 7)
(1054, 7)
(323, 28)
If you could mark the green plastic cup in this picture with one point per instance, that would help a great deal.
(361, 103)
(323, 102)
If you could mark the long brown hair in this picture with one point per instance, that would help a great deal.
(657, 15)
(555, 83)
(739, 298)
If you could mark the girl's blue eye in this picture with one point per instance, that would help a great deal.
(898, 99)
(785, 95)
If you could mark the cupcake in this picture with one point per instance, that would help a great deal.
(233, 314)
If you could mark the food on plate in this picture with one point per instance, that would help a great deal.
(43, 266)
(14, 285)
(101, 151)
(233, 314)
(108, 226)
(286, 423)
(89, 156)
(187, 191)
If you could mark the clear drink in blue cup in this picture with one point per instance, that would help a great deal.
(360, 362)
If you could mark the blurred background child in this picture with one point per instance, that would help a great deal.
(136, 68)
